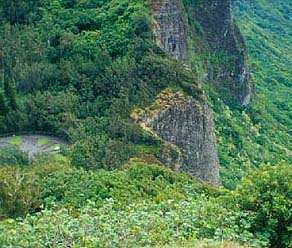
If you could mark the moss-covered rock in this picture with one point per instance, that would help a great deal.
(186, 126)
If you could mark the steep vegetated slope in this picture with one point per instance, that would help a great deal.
(80, 69)
(267, 28)
(261, 133)
(123, 81)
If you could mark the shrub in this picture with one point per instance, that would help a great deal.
(134, 183)
(144, 224)
(11, 155)
(18, 191)
(20, 187)
(267, 195)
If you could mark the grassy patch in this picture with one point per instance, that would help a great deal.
(15, 140)
(53, 147)
(43, 141)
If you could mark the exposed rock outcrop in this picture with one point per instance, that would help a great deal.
(170, 27)
(204, 29)
(226, 42)
(220, 46)
(187, 125)
(182, 122)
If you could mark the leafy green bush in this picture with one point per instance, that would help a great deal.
(20, 187)
(11, 155)
(18, 191)
(136, 225)
(267, 195)
(135, 183)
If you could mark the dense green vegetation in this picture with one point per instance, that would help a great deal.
(260, 133)
(77, 69)
(65, 71)
(11, 155)
(139, 205)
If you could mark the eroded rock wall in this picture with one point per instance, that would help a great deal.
(186, 124)
(226, 43)
(224, 51)
(170, 27)
(182, 122)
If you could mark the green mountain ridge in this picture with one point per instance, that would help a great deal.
(266, 123)
(93, 72)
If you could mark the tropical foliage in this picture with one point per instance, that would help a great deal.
(139, 205)
(78, 69)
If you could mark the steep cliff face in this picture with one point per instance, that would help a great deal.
(218, 42)
(187, 125)
(226, 43)
(187, 30)
(182, 122)
(170, 27)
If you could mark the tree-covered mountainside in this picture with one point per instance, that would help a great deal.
(78, 69)
(127, 84)
(260, 133)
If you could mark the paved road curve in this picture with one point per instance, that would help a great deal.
(34, 144)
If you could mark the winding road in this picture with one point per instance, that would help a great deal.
(34, 144)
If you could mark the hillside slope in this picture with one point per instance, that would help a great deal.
(99, 74)
(52, 51)
(261, 133)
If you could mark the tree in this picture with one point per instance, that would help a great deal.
(142, 25)
(17, 11)
(3, 107)
(267, 195)
(13, 11)
(10, 94)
